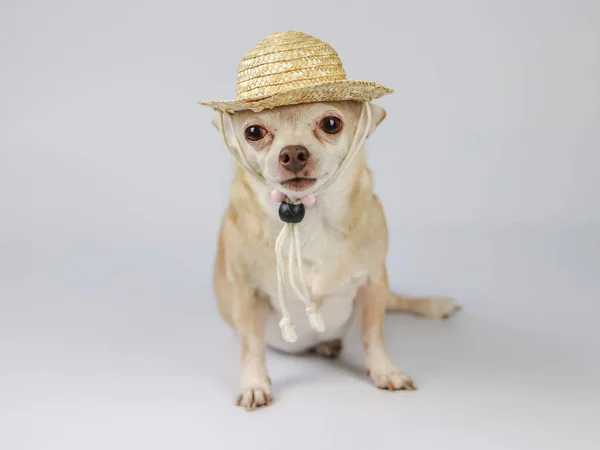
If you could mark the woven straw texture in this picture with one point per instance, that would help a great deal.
(290, 68)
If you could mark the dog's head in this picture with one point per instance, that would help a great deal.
(297, 148)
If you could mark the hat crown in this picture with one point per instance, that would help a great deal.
(284, 61)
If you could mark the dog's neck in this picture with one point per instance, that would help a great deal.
(339, 206)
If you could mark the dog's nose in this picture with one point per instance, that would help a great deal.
(294, 157)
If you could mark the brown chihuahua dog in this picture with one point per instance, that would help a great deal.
(344, 242)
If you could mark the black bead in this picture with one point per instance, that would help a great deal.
(291, 213)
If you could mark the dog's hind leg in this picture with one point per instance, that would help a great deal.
(328, 349)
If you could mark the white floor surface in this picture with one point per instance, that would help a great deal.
(120, 347)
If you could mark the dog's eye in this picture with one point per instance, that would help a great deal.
(255, 133)
(331, 125)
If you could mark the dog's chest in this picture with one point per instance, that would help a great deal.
(330, 262)
(333, 274)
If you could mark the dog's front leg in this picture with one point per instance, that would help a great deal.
(371, 302)
(249, 315)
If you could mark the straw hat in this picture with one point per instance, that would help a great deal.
(290, 68)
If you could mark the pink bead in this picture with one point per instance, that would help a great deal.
(277, 196)
(308, 200)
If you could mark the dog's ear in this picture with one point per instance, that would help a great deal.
(216, 121)
(378, 115)
(227, 124)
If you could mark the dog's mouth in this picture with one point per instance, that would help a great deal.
(299, 184)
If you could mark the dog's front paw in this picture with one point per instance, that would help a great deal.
(438, 307)
(255, 396)
(391, 378)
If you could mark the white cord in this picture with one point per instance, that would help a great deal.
(291, 230)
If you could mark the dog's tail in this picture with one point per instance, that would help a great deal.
(432, 307)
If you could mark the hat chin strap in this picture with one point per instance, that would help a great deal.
(290, 231)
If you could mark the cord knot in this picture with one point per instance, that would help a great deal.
(315, 318)
(287, 330)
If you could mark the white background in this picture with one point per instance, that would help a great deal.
(113, 182)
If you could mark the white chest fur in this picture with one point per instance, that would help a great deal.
(333, 275)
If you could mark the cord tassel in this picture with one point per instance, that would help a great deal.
(288, 330)
(315, 318)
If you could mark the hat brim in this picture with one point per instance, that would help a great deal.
(324, 92)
